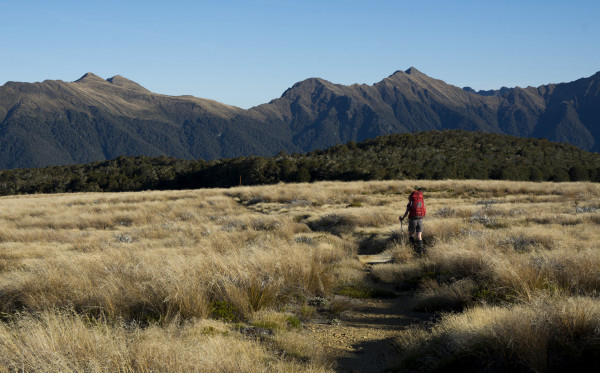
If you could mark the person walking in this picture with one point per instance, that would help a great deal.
(415, 209)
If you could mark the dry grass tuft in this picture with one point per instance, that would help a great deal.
(547, 334)
(408, 274)
(433, 296)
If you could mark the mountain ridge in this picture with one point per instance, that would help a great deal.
(93, 119)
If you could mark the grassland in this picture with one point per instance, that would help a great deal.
(222, 280)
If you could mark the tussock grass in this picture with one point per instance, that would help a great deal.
(162, 285)
(458, 260)
(300, 347)
(63, 341)
(130, 286)
(338, 223)
(434, 296)
(561, 271)
(156, 281)
(349, 271)
(546, 334)
(406, 274)
(275, 320)
(401, 252)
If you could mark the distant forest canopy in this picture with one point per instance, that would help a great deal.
(451, 154)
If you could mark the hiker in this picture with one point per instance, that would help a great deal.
(415, 209)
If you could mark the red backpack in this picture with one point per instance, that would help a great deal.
(416, 208)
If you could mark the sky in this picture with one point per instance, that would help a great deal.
(248, 52)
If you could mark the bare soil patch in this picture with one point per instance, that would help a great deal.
(362, 340)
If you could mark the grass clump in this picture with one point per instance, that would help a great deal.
(275, 321)
(547, 334)
(455, 296)
(404, 275)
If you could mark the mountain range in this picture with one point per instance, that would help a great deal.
(93, 119)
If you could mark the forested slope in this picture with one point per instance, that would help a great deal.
(453, 154)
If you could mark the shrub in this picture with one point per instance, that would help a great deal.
(224, 311)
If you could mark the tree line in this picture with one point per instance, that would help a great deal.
(451, 154)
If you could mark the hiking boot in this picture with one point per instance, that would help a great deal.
(420, 247)
(411, 239)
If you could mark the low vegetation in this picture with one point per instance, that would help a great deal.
(220, 280)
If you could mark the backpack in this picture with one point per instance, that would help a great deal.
(416, 206)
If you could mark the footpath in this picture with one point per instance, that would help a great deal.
(363, 339)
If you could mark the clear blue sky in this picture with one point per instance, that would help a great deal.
(247, 52)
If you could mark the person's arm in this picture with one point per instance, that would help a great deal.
(405, 213)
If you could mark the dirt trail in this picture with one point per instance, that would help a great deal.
(363, 340)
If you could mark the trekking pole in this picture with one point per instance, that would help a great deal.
(402, 231)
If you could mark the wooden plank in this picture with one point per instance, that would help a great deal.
(375, 259)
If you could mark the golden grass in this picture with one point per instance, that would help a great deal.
(63, 341)
(136, 281)
(546, 334)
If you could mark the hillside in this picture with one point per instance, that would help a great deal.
(451, 154)
(321, 114)
(92, 119)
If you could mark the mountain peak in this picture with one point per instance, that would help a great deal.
(89, 77)
(118, 79)
(413, 71)
(123, 82)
